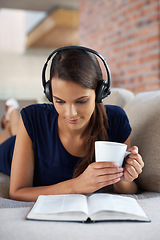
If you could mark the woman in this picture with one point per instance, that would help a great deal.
(54, 150)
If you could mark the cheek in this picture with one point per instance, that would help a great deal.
(90, 109)
(58, 109)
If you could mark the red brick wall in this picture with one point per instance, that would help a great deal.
(127, 34)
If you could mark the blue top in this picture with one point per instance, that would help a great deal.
(53, 163)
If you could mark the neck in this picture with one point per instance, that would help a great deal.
(72, 140)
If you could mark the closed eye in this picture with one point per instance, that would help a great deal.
(82, 101)
(60, 102)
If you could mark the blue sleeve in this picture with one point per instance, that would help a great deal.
(119, 126)
(38, 120)
(27, 117)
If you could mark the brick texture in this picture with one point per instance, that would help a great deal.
(127, 34)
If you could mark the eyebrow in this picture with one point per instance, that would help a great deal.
(74, 100)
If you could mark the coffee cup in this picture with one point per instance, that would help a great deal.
(110, 152)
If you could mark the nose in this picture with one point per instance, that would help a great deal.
(71, 111)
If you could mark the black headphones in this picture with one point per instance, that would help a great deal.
(103, 88)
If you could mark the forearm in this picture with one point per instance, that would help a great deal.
(31, 194)
(125, 187)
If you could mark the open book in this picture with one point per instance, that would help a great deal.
(78, 207)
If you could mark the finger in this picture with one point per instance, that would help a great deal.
(105, 164)
(134, 153)
(109, 177)
(104, 184)
(135, 164)
(127, 177)
(132, 158)
(138, 167)
(132, 173)
(133, 150)
(140, 160)
(105, 171)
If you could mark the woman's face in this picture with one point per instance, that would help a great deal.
(74, 103)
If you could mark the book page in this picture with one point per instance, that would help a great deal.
(49, 204)
(116, 203)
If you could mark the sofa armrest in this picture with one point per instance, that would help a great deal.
(144, 116)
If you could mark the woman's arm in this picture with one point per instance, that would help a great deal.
(132, 168)
(22, 171)
(96, 176)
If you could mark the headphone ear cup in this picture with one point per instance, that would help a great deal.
(102, 90)
(48, 91)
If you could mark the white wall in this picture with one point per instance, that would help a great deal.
(12, 30)
(20, 71)
(20, 75)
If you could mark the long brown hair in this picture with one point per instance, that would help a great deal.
(83, 68)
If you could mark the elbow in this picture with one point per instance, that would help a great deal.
(15, 195)
(12, 195)
(21, 194)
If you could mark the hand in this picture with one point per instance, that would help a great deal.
(133, 165)
(98, 175)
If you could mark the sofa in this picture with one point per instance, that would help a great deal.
(144, 115)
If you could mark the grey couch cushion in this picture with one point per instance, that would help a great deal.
(119, 97)
(4, 185)
(14, 226)
(144, 115)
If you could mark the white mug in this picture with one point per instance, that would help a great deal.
(110, 151)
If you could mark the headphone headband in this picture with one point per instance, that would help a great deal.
(79, 48)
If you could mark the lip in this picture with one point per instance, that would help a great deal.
(74, 121)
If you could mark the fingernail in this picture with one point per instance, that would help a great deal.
(118, 179)
(121, 169)
(135, 152)
(116, 164)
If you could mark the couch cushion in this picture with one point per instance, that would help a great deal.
(144, 115)
(119, 97)
(8, 203)
(4, 185)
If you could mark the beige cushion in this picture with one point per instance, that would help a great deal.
(144, 115)
(119, 97)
